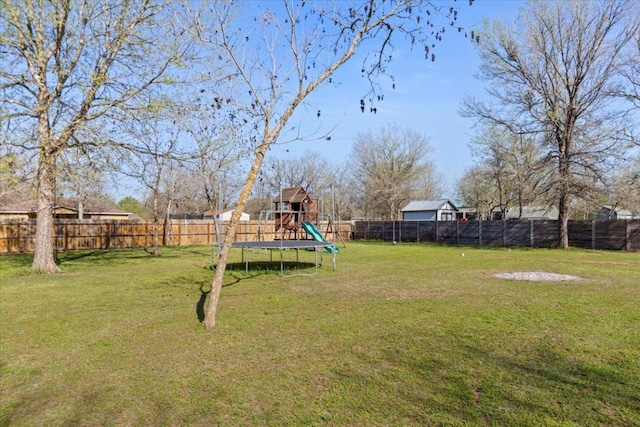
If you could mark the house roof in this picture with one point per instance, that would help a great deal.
(426, 205)
(30, 206)
(550, 212)
(618, 210)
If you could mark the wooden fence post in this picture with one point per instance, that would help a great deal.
(593, 234)
(504, 232)
(531, 235)
(627, 242)
(457, 232)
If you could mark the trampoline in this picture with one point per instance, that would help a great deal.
(316, 246)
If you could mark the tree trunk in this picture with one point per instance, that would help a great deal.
(563, 202)
(229, 236)
(167, 225)
(563, 220)
(80, 209)
(43, 257)
(156, 224)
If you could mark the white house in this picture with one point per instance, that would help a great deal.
(429, 210)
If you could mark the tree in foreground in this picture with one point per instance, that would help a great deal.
(67, 63)
(552, 75)
(280, 55)
(389, 167)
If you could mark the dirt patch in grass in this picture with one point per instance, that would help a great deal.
(538, 276)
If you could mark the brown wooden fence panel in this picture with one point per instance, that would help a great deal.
(17, 236)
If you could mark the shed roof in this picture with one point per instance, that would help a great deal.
(533, 212)
(426, 205)
(618, 210)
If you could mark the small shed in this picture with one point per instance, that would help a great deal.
(429, 210)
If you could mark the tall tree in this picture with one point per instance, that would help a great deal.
(280, 55)
(390, 166)
(309, 170)
(152, 157)
(218, 155)
(551, 74)
(512, 166)
(67, 63)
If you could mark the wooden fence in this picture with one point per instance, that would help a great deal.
(18, 236)
(610, 234)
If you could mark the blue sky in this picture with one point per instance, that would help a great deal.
(427, 98)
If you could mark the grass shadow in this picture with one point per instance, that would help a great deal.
(101, 256)
(270, 266)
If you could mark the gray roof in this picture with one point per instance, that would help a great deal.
(426, 205)
(532, 212)
(618, 210)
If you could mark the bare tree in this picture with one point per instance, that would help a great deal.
(512, 165)
(281, 55)
(217, 158)
(81, 175)
(622, 188)
(390, 166)
(551, 75)
(629, 68)
(16, 177)
(154, 162)
(67, 63)
(309, 170)
(475, 189)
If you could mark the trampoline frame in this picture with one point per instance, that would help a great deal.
(286, 244)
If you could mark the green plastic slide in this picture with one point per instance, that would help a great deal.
(313, 231)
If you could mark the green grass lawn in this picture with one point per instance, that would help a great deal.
(397, 335)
